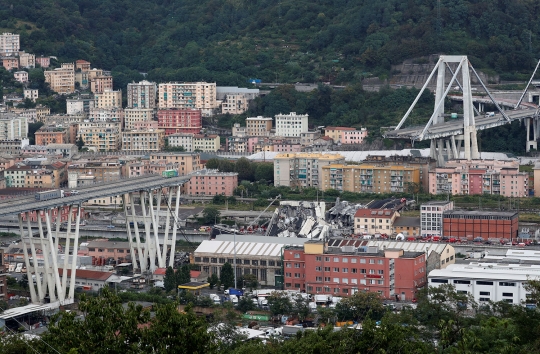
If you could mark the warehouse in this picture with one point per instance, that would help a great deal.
(479, 223)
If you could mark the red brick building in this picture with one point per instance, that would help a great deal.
(180, 120)
(342, 271)
(479, 223)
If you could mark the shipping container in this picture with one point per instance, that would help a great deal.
(169, 173)
(46, 195)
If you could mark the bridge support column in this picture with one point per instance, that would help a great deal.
(531, 141)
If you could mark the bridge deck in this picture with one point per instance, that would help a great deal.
(113, 188)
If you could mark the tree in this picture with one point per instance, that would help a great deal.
(244, 167)
(361, 305)
(245, 304)
(211, 215)
(227, 276)
(32, 129)
(264, 171)
(213, 280)
(169, 281)
(300, 307)
(279, 303)
(183, 275)
(80, 142)
(23, 282)
(249, 281)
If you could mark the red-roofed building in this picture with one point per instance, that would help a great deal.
(90, 279)
(371, 221)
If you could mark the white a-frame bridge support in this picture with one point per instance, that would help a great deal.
(149, 250)
(41, 255)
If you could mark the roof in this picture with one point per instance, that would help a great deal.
(160, 271)
(194, 273)
(88, 274)
(486, 271)
(407, 221)
(339, 128)
(193, 285)
(22, 310)
(437, 202)
(485, 213)
(379, 213)
(410, 246)
(227, 248)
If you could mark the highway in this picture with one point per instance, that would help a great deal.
(109, 189)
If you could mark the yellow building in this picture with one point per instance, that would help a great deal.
(143, 140)
(206, 142)
(369, 178)
(103, 136)
(61, 80)
(40, 179)
(258, 126)
(108, 98)
(302, 169)
(134, 115)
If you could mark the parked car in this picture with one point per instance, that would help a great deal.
(110, 226)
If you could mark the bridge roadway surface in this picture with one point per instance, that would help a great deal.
(455, 126)
(108, 189)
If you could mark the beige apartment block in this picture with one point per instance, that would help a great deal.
(234, 104)
(68, 66)
(103, 136)
(9, 43)
(142, 95)
(187, 161)
(27, 60)
(184, 140)
(112, 114)
(206, 142)
(201, 95)
(108, 99)
(137, 115)
(101, 83)
(143, 140)
(369, 178)
(302, 169)
(82, 65)
(61, 80)
(258, 126)
(31, 94)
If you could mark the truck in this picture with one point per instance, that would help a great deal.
(232, 291)
(46, 195)
(169, 173)
(215, 299)
(234, 299)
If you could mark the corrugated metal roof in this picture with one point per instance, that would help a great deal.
(242, 248)
(411, 246)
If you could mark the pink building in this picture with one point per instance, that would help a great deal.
(44, 62)
(353, 136)
(180, 120)
(479, 177)
(10, 63)
(103, 251)
(211, 182)
(62, 212)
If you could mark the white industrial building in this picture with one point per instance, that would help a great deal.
(431, 217)
(487, 281)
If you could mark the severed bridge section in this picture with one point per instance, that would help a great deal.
(48, 272)
(451, 134)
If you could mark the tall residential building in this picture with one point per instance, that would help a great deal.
(61, 80)
(103, 136)
(291, 125)
(9, 43)
(258, 126)
(143, 140)
(180, 120)
(369, 178)
(142, 94)
(13, 127)
(479, 177)
(431, 217)
(108, 99)
(137, 115)
(200, 95)
(79, 105)
(302, 169)
(101, 83)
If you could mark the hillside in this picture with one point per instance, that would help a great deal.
(228, 41)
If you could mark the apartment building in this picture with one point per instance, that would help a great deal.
(371, 221)
(137, 115)
(431, 217)
(206, 142)
(258, 126)
(199, 95)
(184, 140)
(13, 127)
(13, 147)
(187, 162)
(82, 65)
(211, 182)
(291, 125)
(143, 140)
(111, 114)
(108, 98)
(335, 133)
(118, 251)
(61, 80)
(480, 223)
(146, 167)
(51, 135)
(99, 171)
(64, 150)
(10, 44)
(238, 131)
(101, 83)
(27, 60)
(479, 177)
(40, 179)
(31, 114)
(180, 120)
(302, 169)
(237, 144)
(353, 136)
(64, 119)
(44, 62)
(317, 268)
(21, 76)
(369, 178)
(10, 63)
(31, 94)
(101, 135)
(16, 175)
(234, 104)
(79, 105)
(142, 95)
(309, 137)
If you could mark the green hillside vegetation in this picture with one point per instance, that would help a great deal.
(287, 41)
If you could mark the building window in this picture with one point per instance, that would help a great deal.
(485, 293)
(336, 259)
(508, 294)
(506, 284)
(462, 282)
(441, 281)
(336, 270)
(296, 255)
(479, 282)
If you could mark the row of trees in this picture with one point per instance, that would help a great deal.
(247, 170)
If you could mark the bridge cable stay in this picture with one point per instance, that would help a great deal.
(527, 87)
(441, 101)
(489, 94)
(461, 87)
(419, 95)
